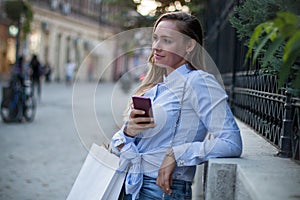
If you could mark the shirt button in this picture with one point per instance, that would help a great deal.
(181, 163)
(123, 140)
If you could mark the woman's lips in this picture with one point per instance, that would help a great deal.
(158, 56)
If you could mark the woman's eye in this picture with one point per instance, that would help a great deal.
(155, 38)
(167, 41)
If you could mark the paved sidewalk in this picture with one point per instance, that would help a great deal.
(40, 160)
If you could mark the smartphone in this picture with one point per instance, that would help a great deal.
(142, 103)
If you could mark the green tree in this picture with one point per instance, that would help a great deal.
(283, 30)
(269, 28)
(251, 13)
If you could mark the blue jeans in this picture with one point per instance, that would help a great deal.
(181, 190)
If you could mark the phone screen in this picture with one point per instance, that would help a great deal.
(143, 103)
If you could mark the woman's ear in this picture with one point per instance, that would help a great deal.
(190, 45)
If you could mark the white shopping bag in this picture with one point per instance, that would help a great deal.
(98, 178)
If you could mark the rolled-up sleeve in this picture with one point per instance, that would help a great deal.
(120, 138)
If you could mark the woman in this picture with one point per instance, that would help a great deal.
(188, 104)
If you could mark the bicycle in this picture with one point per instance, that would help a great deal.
(18, 102)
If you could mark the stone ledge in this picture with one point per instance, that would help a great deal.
(257, 175)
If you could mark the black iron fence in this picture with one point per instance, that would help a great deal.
(274, 113)
(255, 99)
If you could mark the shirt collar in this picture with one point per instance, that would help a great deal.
(180, 71)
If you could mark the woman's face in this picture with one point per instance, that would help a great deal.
(168, 46)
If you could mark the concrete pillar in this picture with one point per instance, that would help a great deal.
(42, 45)
(63, 56)
(78, 58)
(81, 51)
(52, 59)
(220, 182)
(56, 55)
(71, 48)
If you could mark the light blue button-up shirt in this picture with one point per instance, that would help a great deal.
(204, 111)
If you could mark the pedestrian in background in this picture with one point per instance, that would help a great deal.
(69, 68)
(188, 105)
(36, 73)
(90, 71)
(47, 72)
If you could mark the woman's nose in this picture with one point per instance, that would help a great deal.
(156, 45)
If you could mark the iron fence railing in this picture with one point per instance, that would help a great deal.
(274, 113)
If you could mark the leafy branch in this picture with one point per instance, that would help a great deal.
(283, 30)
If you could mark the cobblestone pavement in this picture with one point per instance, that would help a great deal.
(40, 160)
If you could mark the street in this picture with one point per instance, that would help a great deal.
(40, 160)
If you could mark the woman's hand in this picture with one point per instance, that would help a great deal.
(164, 179)
(136, 124)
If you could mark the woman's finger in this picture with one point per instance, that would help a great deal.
(139, 124)
(143, 120)
(167, 185)
(135, 112)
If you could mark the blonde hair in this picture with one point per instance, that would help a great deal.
(153, 77)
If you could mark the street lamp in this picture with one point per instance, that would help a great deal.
(18, 12)
(13, 30)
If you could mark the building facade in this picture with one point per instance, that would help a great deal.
(60, 35)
